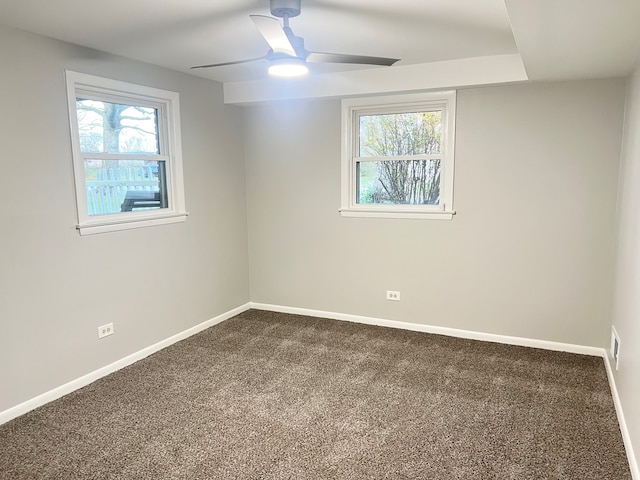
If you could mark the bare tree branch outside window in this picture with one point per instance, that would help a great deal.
(406, 180)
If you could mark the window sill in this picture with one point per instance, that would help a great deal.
(104, 227)
(351, 212)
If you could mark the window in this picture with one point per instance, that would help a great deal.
(126, 154)
(397, 156)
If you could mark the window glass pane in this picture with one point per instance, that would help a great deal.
(116, 128)
(115, 186)
(398, 182)
(394, 134)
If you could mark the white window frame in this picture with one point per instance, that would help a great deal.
(168, 105)
(353, 108)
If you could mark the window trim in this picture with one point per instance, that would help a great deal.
(352, 108)
(168, 105)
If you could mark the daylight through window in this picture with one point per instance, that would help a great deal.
(126, 150)
(398, 156)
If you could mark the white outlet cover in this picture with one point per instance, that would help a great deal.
(105, 330)
(393, 295)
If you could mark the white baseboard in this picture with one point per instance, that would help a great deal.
(73, 385)
(450, 332)
(626, 438)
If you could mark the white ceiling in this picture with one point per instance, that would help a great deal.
(563, 39)
(557, 39)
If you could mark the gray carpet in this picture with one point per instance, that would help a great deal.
(273, 396)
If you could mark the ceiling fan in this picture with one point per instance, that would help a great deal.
(287, 56)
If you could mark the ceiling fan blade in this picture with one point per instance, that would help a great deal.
(229, 63)
(318, 57)
(273, 33)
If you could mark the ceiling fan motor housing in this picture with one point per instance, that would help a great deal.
(285, 8)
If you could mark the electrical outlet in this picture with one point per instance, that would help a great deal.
(105, 330)
(393, 295)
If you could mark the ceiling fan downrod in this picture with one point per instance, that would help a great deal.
(285, 9)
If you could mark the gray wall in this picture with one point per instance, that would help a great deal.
(56, 287)
(528, 254)
(626, 308)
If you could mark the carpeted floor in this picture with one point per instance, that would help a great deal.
(273, 396)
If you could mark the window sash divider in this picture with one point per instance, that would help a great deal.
(147, 157)
(399, 158)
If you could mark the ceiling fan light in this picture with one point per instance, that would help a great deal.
(289, 67)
